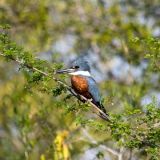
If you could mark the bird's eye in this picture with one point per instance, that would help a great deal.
(76, 67)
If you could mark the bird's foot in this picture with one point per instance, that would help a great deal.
(89, 100)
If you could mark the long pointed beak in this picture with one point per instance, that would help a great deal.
(70, 70)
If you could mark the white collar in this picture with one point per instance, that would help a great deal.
(82, 73)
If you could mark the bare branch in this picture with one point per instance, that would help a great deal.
(108, 149)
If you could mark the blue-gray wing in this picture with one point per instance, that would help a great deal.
(94, 92)
(93, 89)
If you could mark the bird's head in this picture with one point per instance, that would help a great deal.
(79, 66)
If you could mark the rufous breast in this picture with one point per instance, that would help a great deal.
(80, 85)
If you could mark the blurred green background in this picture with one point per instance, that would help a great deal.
(117, 38)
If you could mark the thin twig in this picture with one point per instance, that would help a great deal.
(78, 96)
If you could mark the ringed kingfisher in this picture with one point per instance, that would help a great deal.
(83, 83)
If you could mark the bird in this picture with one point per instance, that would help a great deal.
(83, 83)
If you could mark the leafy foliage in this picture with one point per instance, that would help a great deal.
(39, 119)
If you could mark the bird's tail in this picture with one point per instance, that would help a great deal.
(103, 115)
